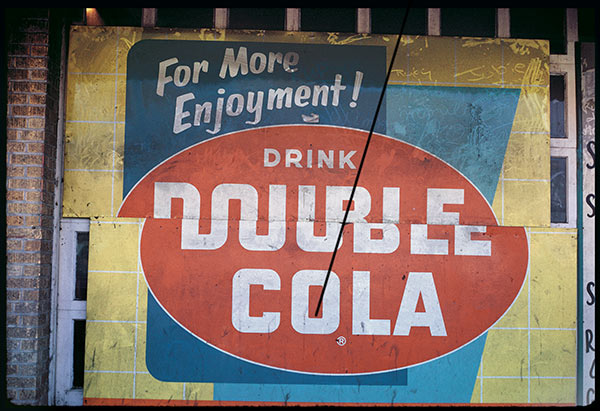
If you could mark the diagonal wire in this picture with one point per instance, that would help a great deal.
(362, 161)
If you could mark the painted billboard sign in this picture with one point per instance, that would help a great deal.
(240, 225)
(232, 157)
(242, 228)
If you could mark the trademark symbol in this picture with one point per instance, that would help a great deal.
(341, 340)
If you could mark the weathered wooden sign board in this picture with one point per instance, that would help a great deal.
(233, 158)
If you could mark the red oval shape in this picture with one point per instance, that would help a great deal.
(397, 306)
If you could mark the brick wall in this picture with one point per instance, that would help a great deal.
(33, 64)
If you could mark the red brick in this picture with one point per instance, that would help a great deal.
(24, 258)
(14, 195)
(17, 74)
(23, 208)
(24, 110)
(25, 183)
(14, 245)
(34, 171)
(30, 62)
(18, 49)
(18, 98)
(29, 86)
(40, 74)
(37, 99)
(32, 221)
(35, 147)
(26, 159)
(15, 122)
(15, 147)
(23, 233)
(33, 196)
(13, 295)
(33, 245)
(14, 220)
(34, 122)
(15, 171)
(39, 50)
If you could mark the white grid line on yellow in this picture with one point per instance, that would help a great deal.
(114, 148)
(94, 170)
(137, 298)
(528, 231)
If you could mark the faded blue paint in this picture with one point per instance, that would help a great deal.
(149, 137)
(468, 127)
(449, 379)
(173, 354)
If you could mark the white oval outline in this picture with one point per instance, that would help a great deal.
(527, 272)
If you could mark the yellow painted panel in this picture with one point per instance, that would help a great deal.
(517, 314)
(432, 61)
(146, 386)
(526, 61)
(91, 96)
(505, 353)
(113, 246)
(498, 203)
(487, 55)
(120, 99)
(199, 391)
(533, 114)
(528, 156)
(109, 346)
(92, 49)
(140, 360)
(88, 193)
(108, 385)
(504, 390)
(127, 37)
(476, 396)
(117, 303)
(553, 353)
(526, 203)
(142, 296)
(554, 391)
(553, 270)
(117, 193)
(401, 67)
(198, 34)
(89, 146)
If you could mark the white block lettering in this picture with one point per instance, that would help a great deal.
(464, 245)
(420, 284)
(240, 301)
(362, 324)
(436, 198)
(330, 320)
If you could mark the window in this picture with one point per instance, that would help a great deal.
(563, 124)
(557, 106)
(185, 17)
(471, 22)
(389, 21)
(540, 23)
(558, 189)
(257, 18)
(341, 20)
(72, 293)
(563, 187)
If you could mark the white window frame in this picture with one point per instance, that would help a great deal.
(571, 185)
(68, 309)
(564, 64)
